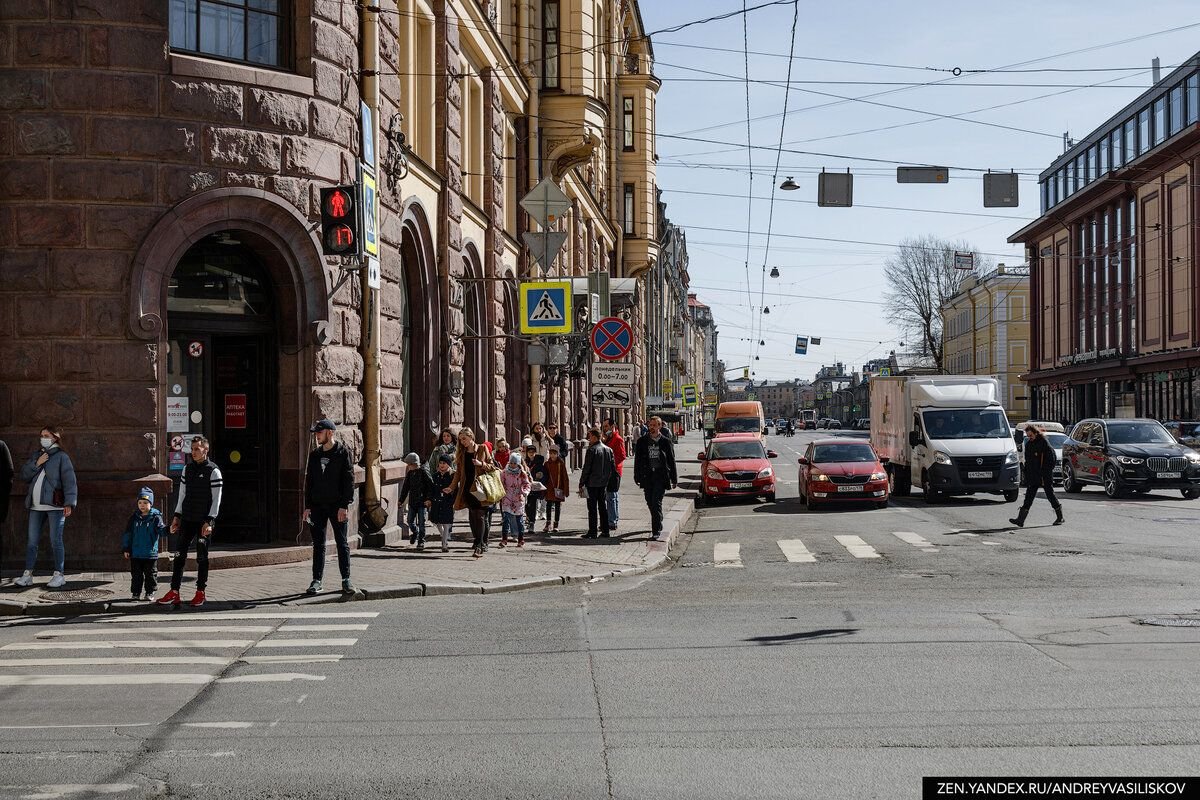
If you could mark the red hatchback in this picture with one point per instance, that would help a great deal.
(839, 470)
(736, 465)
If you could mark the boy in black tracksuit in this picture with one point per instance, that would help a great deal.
(418, 490)
(328, 492)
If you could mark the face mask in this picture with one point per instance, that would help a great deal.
(47, 443)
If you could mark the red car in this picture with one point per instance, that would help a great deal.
(736, 465)
(840, 470)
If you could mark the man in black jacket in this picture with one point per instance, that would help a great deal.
(654, 470)
(598, 468)
(328, 492)
(196, 512)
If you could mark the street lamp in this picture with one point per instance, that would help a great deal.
(766, 309)
(774, 272)
(789, 185)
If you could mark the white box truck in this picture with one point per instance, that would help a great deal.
(947, 434)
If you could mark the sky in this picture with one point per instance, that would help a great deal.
(710, 191)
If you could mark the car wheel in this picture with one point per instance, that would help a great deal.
(809, 502)
(701, 499)
(770, 496)
(881, 505)
(1070, 484)
(1190, 494)
(1112, 483)
(931, 495)
(1011, 497)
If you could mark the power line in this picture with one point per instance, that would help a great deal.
(749, 164)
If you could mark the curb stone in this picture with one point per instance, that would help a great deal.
(394, 592)
(518, 584)
(438, 589)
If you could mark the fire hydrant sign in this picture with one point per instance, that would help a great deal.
(235, 411)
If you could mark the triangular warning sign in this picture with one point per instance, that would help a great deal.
(546, 310)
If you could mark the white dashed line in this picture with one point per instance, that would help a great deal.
(727, 554)
(795, 551)
(857, 547)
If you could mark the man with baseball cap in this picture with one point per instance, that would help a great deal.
(328, 492)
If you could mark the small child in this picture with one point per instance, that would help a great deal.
(140, 545)
(418, 487)
(441, 505)
(503, 451)
(517, 483)
(558, 486)
(537, 471)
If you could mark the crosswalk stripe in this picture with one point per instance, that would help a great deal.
(54, 634)
(133, 644)
(915, 540)
(149, 678)
(795, 551)
(312, 658)
(113, 661)
(182, 616)
(857, 547)
(306, 643)
(315, 628)
(727, 554)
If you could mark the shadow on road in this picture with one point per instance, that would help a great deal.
(800, 636)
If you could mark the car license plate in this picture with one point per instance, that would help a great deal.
(1164, 476)
(850, 488)
(975, 475)
(741, 486)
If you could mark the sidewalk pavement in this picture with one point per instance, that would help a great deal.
(399, 571)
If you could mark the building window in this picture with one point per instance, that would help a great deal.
(1114, 141)
(1143, 126)
(1103, 162)
(550, 45)
(1130, 140)
(1045, 195)
(1092, 156)
(1159, 133)
(238, 30)
(627, 123)
(1176, 110)
(1131, 277)
(1060, 193)
(627, 211)
(1070, 178)
(1193, 99)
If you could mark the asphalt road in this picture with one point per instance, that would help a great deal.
(748, 669)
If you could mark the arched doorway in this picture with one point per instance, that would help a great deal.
(476, 372)
(424, 350)
(221, 376)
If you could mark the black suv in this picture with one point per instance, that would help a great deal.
(1128, 455)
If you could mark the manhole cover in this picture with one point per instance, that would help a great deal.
(1171, 622)
(1062, 553)
(75, 595)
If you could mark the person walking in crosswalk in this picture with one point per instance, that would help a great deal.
(1040, 463)
(195, 516)
(654, 471)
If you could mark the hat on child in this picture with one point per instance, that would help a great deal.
(527, 441)
(147, 494)
(445, 459)
(514, 458)
(412, 458)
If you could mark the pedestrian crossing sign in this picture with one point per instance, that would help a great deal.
(546, 307)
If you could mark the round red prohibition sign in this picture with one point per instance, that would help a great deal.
(612, 339)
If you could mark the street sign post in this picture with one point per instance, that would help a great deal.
(544, 246)
(668, 389)
(801, 345)
(691, 396)
(964, 260)
(605, 373)
(370, 212)
(612, 396)
(612, 338)
(545, 204)
(546, 307)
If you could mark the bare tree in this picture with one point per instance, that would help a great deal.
(920, 278)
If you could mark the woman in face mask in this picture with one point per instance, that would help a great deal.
(52, 497)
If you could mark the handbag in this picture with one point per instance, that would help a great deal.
(488, 489)
(559, 494)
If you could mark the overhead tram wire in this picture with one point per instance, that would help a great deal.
(762, 290)
(749, 167)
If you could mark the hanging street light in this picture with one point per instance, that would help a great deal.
(766, 309)
(774, 272)
(789, 185)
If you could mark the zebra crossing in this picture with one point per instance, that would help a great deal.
(817, 548)
(71, 653)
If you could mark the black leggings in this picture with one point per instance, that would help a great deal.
(553, 512)
(479, 519)
(1045, 482)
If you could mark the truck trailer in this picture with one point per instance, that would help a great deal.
(947, 434)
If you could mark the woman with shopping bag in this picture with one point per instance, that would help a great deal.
(476, 486)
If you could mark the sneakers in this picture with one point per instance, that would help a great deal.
(420, 547)
(198, 600)
(604, 535)
(412, 539)
(503, 543)
(57, 581)
(135, 597)
(26, 579)
(348, 587)
(520, 542)
(445, 548)
(656, 536)
(149, 597)
(313, 588)
(171, 598)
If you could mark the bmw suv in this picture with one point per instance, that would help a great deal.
(1124, 455)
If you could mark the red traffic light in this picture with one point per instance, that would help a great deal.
(338, 204)
(339, 221)
(340, 239)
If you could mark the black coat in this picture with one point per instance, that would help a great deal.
(641, 459)
(331, 483)
(1040, 459)
(418, 487)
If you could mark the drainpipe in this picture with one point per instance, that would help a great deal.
(372, 449)
(533, 142)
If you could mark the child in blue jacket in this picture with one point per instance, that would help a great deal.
(140, 543)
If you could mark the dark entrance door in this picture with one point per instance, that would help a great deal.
(222, 382)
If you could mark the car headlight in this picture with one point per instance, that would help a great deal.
(941, 458)
(879, 476)
(1193, 457)
(1129, 460)
(821, 478)
(715, 475)
(765, 472)
(1011, 458)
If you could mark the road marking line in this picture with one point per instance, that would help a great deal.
(857, 547)
(272, 677)
(211, 644)
(727, 554)
(218, 724)
(306, 643)
(994, 544)
(287, 628)
(915, 540)
(315, 658)
(150, 678)
(180, 629)
(181, 616)
(60, 791)
(113, 661)
(795, 551)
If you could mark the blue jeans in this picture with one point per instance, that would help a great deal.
(614, 505)
(514, 523)
(416, 520)
(56, 520)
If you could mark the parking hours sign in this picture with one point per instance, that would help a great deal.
(546, 307)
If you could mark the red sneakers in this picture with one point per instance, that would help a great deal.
(198, 600)
(171, 598)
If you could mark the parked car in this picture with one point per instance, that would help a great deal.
(737, 465)
(834, 425)
(1186, 433)
(1125, 455)
(861, 424)
(1055, 440)
(839, 470)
